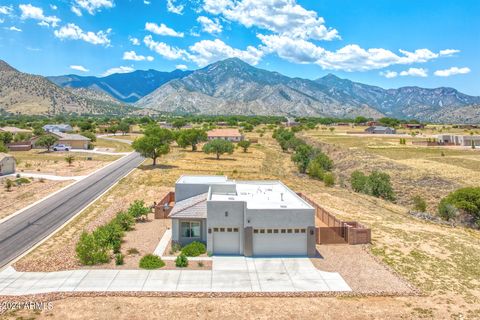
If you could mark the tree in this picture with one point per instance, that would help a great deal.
(8, 184)
(3, 148)
(191, 137)
(47, 141)
(154, 143)
(244, 144)
(360, 119)
(247, 127)
(179, 123)
(419, 204)
(465, 199)
(138, 209)
(123, 127)
(70, 158)
(112, 129)
(38, 131)
(22, 136)
(6, 137)
(302, 157)
(90, 135)
(218, 147)
(379, 185)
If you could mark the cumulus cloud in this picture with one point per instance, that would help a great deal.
(162, 30)
(134, 41)
(77, 11)
(6, 10)
(93, 6)
(415, 72)
(448, 52)
(284, 17)
(181, 67)
(451, 71)
(79, 68)
(207, 51)
(73, 32)
(164, 49)
(121, 69)
(53, 7)
(13, 28)
(36, 13)
(209, 25)
(132, 55)
(389, 74)
(173, 8)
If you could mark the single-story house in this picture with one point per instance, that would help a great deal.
(250, 218)
(75, 141)
(20, 146)
(233, 135)
(7, 164)
(57, 128)
(14, 130)
(380, 130)
(413, 125)
(459, 140)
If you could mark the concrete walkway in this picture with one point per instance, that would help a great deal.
(228, 274)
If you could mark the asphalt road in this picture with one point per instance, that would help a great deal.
(23, 231)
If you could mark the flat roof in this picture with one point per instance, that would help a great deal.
(224, 133)
(263, 195)
(202, 179)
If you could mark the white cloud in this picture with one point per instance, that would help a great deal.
(171, 7)
(448, 52)
(162, 30)
(121, 69)
(284, 17)
(132, 55)
(389, 74)
(134, 41)
(451, 71)
(53, 7)
(76, 10)
(146, 2)
(13, 28)
(207, 51)
(6, 10)
(415, 72)
(93, 6)
(36, 13)
(79, 68)
(181, 67)
(73, 32)
(209, 25)
(164, 49)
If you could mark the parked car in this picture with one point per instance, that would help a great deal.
(61, 147)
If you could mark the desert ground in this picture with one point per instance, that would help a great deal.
(438, 260)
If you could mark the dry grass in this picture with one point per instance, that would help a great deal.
(113, 146)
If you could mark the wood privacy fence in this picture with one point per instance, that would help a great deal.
(163, 208)
(332, 230)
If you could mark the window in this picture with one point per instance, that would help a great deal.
(215, 229)
(222, 229)
(284, 230)
(262, 230)
(235, 229)
(229, 229)
(275, 230)
(269, 230)
(190, 229)
(255, 230)
(303, 230)
(297, 230)
(289, 230)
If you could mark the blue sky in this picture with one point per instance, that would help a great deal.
(387, 43)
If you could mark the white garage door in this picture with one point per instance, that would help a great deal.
(226, 241)
(280, 242)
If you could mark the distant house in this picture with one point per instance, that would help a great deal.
(7, 164)
(459, 140)
(380, 130)
(291, 122)
(57, 128)
(373, 123)
(225, 134)
(413, 125)
(14, 130)
(75, 141)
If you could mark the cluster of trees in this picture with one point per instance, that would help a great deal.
(309, 160)
(376, 184)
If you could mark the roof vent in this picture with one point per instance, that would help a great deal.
(283, 206)
(281, 196)
(231, 198)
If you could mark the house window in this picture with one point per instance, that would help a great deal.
(190, 229)
(235, 229)
(275, 230)
(269, 230)
(284, 230)
(229, 229)
(255, 230)
(302, 230)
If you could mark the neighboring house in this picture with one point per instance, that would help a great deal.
(251, 218)
(7, 164)
(459, 140)
(75, 141)
(225, 134)
(380, 130)
(291, 122)
(57, 128)
(20, 146)
(413, 125)
(14, 130)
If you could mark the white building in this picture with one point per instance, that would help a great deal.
(251, 218)
(459, 140)
(57, 128)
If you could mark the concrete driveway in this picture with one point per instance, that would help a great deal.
(228, 274)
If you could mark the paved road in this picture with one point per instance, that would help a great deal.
(23, 231)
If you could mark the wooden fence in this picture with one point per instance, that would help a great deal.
(163, 208)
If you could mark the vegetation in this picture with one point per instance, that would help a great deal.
(419, 204)
(191, 137)
(3, 148)
(376, 184)
(154, 143)
(218, 147)
(181, 261)
(8, 184)
(6, 137)
(466, 200)
(244, 144)
(151, 261)
(119, 259)
(125, 220)
(69, 159)
(138, 210)
(89, 251)
(90, 135)
(194, 249)
(47, 141)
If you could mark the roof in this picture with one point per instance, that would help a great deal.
(224, 133)
(202, 179)
(5, 155)
(14, 129)
(70, 136)
(380, 128)
(194, 207)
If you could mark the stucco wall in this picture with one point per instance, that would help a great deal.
(225, 214)
(7, 166)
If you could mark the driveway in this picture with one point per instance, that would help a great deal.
(228, 274)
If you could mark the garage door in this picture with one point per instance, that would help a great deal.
(226, 241)
(280, 242)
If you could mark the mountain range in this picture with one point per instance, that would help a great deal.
(232, 86)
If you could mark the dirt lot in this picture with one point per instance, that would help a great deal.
(112, 146)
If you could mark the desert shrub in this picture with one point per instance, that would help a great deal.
(125, 221)
(119, 259)
(21, 181)
(315, 170)
(138, 209)
(151, 261)
(194, 249)
(176, 247)
(419, 204)
(465, 199)
(181, 261)
(133, 251)
(377, 184)
(447, 211)
(89, 251)
(358, 180)
(109, 236)
(329, 179)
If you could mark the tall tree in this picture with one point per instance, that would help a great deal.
(154, 143)
(218, 147)
(47, 141)
(191, 137)
(123, 127)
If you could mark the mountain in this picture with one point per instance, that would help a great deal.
(232, 86)
(23, 93)
(126, 87)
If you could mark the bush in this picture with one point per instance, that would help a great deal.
(133, 251)
(377, 184)
(465, 199)
(419, 204)
(151, 261)
(89, 251)
(194, 249)
(447, 211)
(358, 180)
(138, 209)
(125, 221)
(329, 179)
(176, 247)
(109, 236)
(21, 181)
(315, 170)
(181, 261)
(119, 259)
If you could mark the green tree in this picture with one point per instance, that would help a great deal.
(123, 127)
(69, 159)
(360, 119)
(90, 135)
(89, 251)
(3, 148)
(154, 143)
(191, 137)
(47, 141)
(248, 127)
(329, 179)
(419, 204)
(138, 209)
(218, 147)
(8, 184)
(244, 144)
(112, 129)
(179, 123)
(379, 185)
(302, 157)
(38, 131)
(358, 180)
(6, 137)
(465, 199)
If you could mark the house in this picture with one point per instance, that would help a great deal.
(14, 130)
(75, 141)
(250, 218)
(373, 123)
(291, 123)
(57, 128)
(225, 134)
(413, 125)
(459, 140)
(380, 130)
(7, 164)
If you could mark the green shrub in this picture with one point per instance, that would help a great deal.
(138, 209)
(194, 249)
(151, 261)
(109, 236)
(447, 211)
(315, 170)
(465, 199)
(358, 180)
(21, 181)
(181, 261)
(377, 184)
(329, 179)
(419, 204)
(176, 247)
(125, 221)
(119, 259)
(89, 251)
